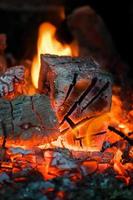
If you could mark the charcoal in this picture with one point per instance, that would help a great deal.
(19, 150)
(77, 87)
(4, 177)
(63, 162)
(68, 171)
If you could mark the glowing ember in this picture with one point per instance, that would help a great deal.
(47, 43)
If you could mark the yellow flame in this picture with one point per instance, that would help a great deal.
(47, 44)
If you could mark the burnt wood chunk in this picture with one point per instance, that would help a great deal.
(10, 80)
(28, 119)
(77, 87)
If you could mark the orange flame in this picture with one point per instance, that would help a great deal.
(47, 43)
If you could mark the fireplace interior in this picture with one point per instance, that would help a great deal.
(66, 100)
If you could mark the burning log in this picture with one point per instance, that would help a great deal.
(28, 120)
(10, 79)
(80, 92)
(78, 88)
(24, 117)
(16, 81)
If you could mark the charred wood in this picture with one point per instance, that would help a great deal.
(9, 81)
(77, 87)
(28, 119)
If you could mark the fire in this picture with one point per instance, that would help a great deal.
(83, 138)
(120, 117)
(47, 43)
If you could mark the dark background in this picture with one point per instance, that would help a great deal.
(20, 21)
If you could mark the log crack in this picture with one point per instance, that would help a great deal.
(94, 80)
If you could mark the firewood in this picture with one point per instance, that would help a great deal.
(77, 87)
(9, 81)
(16, 81)
(28, 120)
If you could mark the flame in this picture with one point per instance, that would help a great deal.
(47, 44)
(121, 118)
